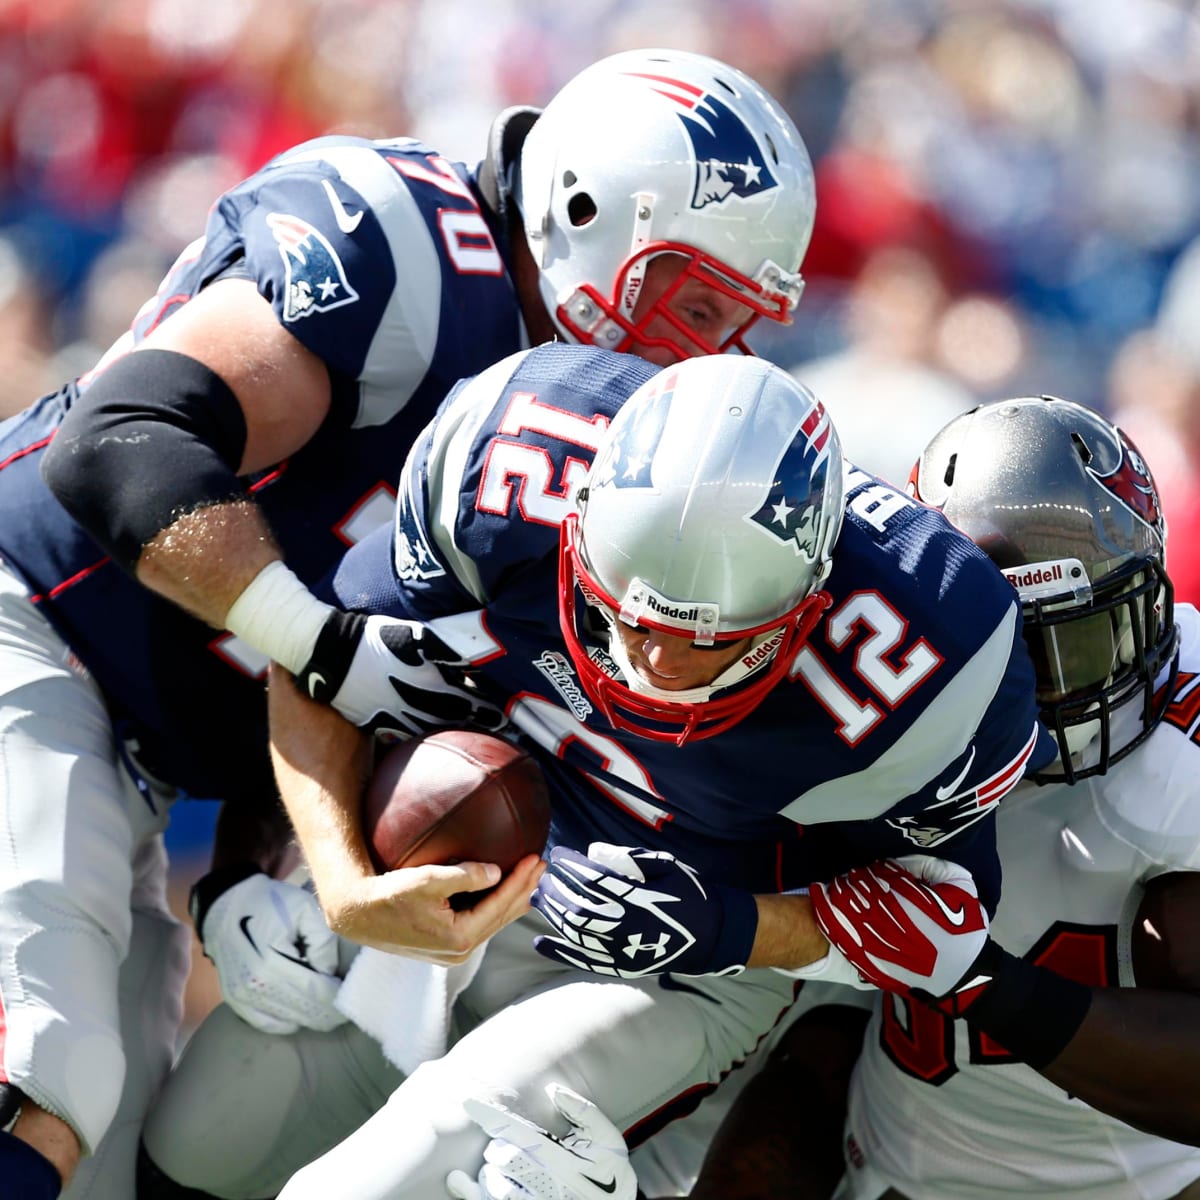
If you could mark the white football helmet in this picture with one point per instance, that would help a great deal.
(1064, 504)
(710, 512)
(651, 152)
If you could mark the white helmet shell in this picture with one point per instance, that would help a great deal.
(710, 512)
(651, 150)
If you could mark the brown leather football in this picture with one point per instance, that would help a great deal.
(455, 795)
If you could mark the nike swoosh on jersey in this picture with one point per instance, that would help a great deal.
(244, 926)
(315, 680)
(944, 793)
(345, 222)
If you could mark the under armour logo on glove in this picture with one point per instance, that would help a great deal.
(389, 675)
(912, 925)
(631, 913)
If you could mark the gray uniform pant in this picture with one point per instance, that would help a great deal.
(245, 1111)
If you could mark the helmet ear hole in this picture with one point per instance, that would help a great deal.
(581, 210)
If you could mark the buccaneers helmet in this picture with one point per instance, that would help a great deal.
(1064, 504)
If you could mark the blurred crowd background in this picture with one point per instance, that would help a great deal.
(1008, 190)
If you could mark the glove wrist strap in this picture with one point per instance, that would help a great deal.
(1031, 1011)
(209, 887)
(324, 672)
(739, 927)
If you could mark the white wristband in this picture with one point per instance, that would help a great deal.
(278, 615)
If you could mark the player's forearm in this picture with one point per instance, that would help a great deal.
(222, 564)
(788, 935)
(1137, 1057)
(321, 764)
(205, 560)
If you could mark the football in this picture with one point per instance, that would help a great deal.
(455, 795)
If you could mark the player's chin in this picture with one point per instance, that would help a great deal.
(664, 683)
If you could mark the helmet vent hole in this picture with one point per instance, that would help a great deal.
(951, 463)
(727, 86)
(570, 179)
(771, 148)
(1085, 455)
(581, 210)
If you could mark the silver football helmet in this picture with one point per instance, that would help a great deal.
(710, 512)
(654, 152)
(1064, 504)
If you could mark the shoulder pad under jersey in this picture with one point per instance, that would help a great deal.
(485, 490)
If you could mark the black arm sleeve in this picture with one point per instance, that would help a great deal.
(156, 436)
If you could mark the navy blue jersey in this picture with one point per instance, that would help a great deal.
(386, 261)
(907, 716)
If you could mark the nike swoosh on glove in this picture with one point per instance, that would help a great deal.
(523, 1161)
(390, 675)
(912, 925)
(276, 957)
(633, 912)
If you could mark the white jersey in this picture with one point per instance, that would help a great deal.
(937, 1110)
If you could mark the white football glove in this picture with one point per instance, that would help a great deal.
(912, 925)
(525, 1162)
(276, 957)
(393, 676)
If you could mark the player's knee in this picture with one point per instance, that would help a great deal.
(81, 1082)
(153, 1183)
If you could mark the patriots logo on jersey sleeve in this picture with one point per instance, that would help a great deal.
(728, 159)
(956, 807)
(1132, 484)
(627, 461)
(792, 509)
(412, 555)
(315, 278)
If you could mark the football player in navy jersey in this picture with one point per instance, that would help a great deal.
(1081, 1080)
(746, 669)
(225, 452)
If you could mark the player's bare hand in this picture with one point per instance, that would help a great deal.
(426, 912)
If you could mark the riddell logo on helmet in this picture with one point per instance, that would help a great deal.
(1023, 579)
(670, 611)
(1055, 577)
(762, 652)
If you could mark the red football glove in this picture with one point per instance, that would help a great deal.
(912, 925)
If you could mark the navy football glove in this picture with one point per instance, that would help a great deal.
(632, 912)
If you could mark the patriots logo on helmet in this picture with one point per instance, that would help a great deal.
(792, 509)
(728, 159)
(316, 280)
(1132, 484)
(627, 461)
